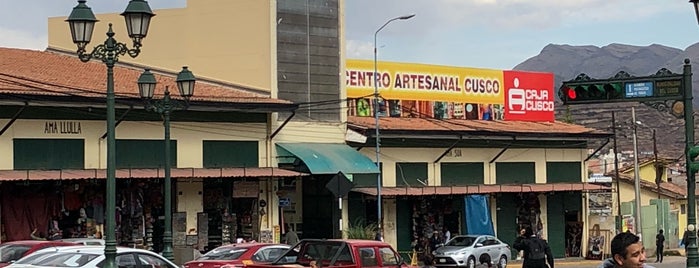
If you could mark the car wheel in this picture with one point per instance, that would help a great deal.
(471, 263)
(502, 263)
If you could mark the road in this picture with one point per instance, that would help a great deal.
(668, 262)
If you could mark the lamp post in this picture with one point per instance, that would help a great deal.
(376, 117)
(146, 88)
(636, 177)
(82, 23)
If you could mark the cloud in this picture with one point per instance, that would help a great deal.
(359, 49)
(22, 39)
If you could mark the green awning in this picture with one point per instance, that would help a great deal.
(328, 158)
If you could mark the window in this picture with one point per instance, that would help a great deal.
(218, 154)
(49, 154)
(563, 172)
(153, 261)
(126, 261)
(411, 174)
(144, 153)
(388, 256)
(462, 173)
(367, 257)
(268, 254)
(683, 209)
(515, 172)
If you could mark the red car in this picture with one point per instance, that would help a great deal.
(238, 255)
(15, 250)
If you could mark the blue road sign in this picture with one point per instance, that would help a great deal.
(639, 89)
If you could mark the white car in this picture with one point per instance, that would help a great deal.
(471, 250)
(92, 256)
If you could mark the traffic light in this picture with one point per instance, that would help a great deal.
(692, 154)
(591, 92)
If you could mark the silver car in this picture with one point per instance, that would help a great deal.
(470, 250)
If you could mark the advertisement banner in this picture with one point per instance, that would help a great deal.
(446, 92)
(529, 96)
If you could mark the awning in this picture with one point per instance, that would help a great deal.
(144, 173)
(483, 189)
(328, 158)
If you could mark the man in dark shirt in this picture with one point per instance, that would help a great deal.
(659, 246)
(536, 250)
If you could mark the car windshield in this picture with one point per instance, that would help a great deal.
(461, 241)
(12, 252)
(31, 258)
(223, 254)
(66, 259)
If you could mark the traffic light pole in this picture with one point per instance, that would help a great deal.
(692, 254)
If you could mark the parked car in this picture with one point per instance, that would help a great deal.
(15, 250)
(470, 250)
(336, 253)
(238, 255)
(85, 241)
(93, 257)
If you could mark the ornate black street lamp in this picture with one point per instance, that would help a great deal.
(146, 87)
(82, 23)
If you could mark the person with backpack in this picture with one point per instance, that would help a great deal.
(536, 250)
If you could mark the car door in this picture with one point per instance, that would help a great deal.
(367, 257)
(493, 248)
(127, 260)
(152, 261)
(480, 248)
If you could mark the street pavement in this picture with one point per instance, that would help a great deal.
(668, 262)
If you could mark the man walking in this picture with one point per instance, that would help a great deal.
(536, 250)
(659, 246)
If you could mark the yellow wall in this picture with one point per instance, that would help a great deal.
(628, 195)
(189, 137)
(646, 172)
(219, 39)
(189, 200)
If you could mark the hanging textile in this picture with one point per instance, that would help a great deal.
(477, 215)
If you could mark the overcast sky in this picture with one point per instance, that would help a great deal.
(496, 34)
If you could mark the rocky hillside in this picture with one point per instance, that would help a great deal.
(566, 62)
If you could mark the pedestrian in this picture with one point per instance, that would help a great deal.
(627, 251)
(378, 236)
(659, 245)
(536, 250)
(291, 238)
(685, 239)
(447, 234)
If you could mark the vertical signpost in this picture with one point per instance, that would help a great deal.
(665, 91)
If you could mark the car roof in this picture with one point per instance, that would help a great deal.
(355, 242)
(251, 245)
(96, 249)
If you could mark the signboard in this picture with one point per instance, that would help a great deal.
(445, 92)
(639, 89)
(669, 87)
(284, 202)
(529, 96)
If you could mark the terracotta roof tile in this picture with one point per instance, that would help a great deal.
(483, 189)
(145, 173)
(429, 124)
(32, 72)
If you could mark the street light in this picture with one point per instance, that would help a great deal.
(376, 116)
(146, 88)
(636, 176)
(82, 23)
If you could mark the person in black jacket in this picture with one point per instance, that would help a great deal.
(659, 246)
(536, 250)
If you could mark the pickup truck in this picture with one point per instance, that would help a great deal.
(336, 253)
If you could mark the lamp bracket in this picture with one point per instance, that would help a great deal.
(166, 104)
(667, 106)
(110, 50)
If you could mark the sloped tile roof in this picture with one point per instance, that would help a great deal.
(462, 125)
(483, 189)
(145, 173)
(31, 72)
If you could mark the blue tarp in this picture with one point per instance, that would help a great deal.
(478, 221)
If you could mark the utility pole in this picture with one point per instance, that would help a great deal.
(636, 176)
(616, 177)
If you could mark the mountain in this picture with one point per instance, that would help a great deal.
(567, 61)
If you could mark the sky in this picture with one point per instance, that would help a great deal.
(493, 34)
